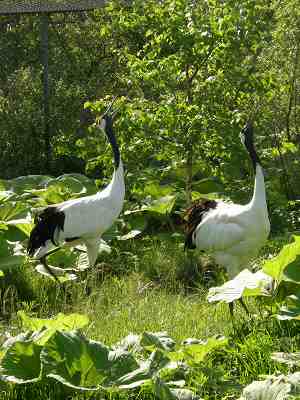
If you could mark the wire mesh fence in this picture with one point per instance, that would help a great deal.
(50, 64)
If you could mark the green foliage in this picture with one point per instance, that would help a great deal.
(82, 364)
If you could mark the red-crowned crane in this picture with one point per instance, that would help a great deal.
(232, 233)
(81, 220)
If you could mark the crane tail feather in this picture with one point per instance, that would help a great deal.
(193, 216)
(47, 224)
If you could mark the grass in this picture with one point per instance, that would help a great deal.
(151, 286)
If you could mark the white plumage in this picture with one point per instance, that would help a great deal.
(81, 220)
(232, 233)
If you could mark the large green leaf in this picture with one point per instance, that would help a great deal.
(21, 363)
(289, 254)
(10, 254)
(246, 283)
(59, 322)
(75, 361)
(84, 364)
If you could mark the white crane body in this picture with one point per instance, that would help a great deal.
(81, 220)
(232, 233)
(92, 215)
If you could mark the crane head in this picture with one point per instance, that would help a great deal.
(108, 116)
(246, 134)
(106, 121)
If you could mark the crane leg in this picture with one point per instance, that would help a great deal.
(244, 306)
(231, 305)
(231, 309)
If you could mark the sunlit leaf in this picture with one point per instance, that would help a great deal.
(104, 247)
(290, 253)
(245, 283)
(61, 321)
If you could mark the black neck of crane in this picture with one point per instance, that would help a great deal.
(112, 140)
(248, 131)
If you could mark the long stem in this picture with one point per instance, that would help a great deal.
(292, 89)
(189, 160)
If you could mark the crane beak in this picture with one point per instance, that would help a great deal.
(110, 106)
(115, 113)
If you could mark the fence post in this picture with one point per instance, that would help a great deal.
(45, 79)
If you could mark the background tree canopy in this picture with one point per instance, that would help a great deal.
(188, 75)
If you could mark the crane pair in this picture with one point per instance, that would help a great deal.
(231, 233)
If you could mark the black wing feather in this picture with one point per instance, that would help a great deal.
(46, 223)
(193, 217)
